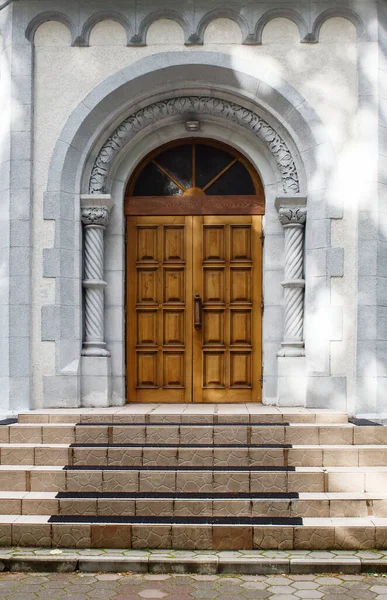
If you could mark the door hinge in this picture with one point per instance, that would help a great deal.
(262, 308)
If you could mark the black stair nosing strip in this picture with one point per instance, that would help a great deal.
(249, 521)
(163, 424)
(9, 421)
(178, 495)
(178, 445)
(172, 468)
(364, 423)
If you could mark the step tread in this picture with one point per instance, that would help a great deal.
(58, 468)
(188, 424)
(346, 447)
(344, 496)
(307, 522)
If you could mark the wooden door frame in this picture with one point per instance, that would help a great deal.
(190, 206)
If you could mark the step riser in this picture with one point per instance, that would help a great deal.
(233, 482)
(198, 457)
(197, 435)
(208, 457)
(198, 417)
(192, 537)
(197, 508)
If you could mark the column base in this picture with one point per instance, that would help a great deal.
(95, 349)
(292, 381)
(90, 350)
(292, 349)
(96, 381)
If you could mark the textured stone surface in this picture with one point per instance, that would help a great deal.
(154, 536)
(232, 538)
(117, 586)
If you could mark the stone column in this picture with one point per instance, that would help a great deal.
(293, 222)
(95, 220)
(96, 361)
(292, 378)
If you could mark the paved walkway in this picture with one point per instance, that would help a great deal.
(82, 586)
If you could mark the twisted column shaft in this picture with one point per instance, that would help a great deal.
(293, 222)
(95, 220)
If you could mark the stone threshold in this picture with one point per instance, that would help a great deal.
(251, 562)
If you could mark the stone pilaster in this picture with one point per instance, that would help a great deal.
(95, 220)
(292, 379)
(293, 222)
(96, 361)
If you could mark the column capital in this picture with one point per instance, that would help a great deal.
(292, 215)
(96, 208)
(95, 215)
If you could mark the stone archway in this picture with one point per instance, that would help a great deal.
(197, 106)
(292, 216)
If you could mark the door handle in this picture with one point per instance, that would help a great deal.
(197, 312)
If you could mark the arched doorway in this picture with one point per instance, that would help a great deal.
(194, 276)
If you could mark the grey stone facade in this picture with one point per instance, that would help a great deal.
(243, 94)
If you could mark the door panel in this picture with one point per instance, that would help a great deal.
(159, 309)
(227, 275)
(169, 260)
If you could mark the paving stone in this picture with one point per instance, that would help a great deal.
(283, 597)
(325, 580)
(152, 594)
(379, 589)
(278, 581)
(122, 586)
(305, 585)
(308, 594)
(254, 585)
(281, 589)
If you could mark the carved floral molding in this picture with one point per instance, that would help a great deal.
(289, 216)
(95, 215)
(197, 105)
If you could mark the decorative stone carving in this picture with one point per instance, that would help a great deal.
(292, 215)
(293, 221)
(95, 215)
(95, 220)
(194, 105)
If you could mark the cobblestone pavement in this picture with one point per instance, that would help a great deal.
(82, 586)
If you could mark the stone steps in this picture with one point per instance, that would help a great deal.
(192, 455)
(193, 477)
(283, 506)
(200, 534)
(195, 433)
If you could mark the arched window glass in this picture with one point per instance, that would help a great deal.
(195, 169)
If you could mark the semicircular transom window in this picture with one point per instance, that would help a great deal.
(196, 169)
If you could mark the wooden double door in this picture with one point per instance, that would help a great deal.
(194, 298)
